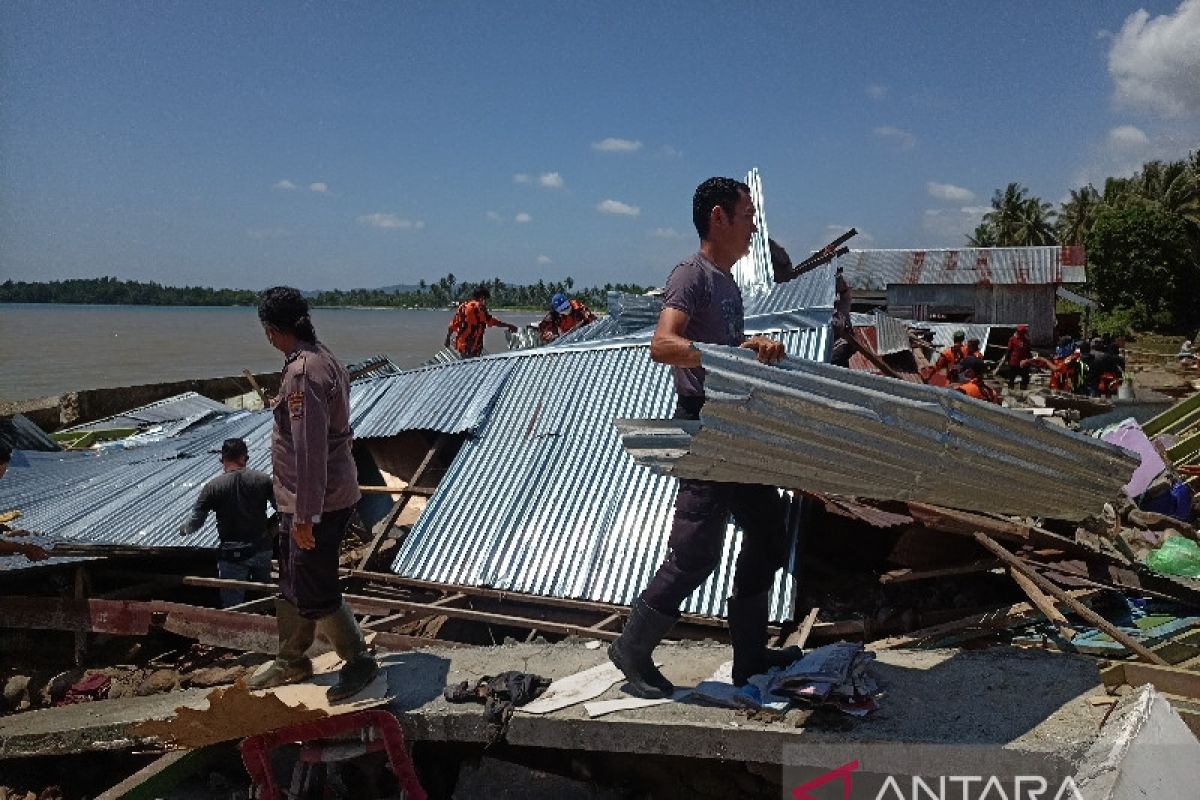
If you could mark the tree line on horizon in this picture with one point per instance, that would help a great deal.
(1141, 238)
(442, 293)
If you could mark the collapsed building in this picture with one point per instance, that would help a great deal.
(530, 493)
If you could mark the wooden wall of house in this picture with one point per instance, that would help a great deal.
(1000, 304)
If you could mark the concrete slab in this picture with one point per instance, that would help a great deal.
(1030, 701)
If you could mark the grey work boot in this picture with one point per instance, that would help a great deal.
(295, 637)
(748, 632)
(631, 651)
(360, 668)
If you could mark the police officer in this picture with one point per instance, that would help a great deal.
(316, 489)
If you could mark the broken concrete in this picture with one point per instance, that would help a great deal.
(1030, 701)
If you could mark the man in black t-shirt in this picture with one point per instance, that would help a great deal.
(239, 497)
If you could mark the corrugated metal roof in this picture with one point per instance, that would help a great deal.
(19, 433)
(565, 512)
(943, 332)
(875, 270)
(450, 398)
(836, 431)
(891, 335)
(812, 290)
(135, 497)
(172, 409)
(753, 270)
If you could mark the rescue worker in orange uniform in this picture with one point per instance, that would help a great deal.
(950, 358)
(972, 385)
(472, 318)
(565, 315)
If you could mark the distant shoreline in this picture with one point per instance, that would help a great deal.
(520, 309)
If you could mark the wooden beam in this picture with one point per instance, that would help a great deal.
(806, 627)
(1079, 608)
(984, 622)
(1168, 679)
(257, 389)
(1043, 603)
(905, 575)
(965, 523)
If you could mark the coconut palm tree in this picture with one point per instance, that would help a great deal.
(1075, 219)
(984, 236)
(1004, 218)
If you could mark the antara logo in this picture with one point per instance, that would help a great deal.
(945, 787)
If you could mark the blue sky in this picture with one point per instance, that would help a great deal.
(366, 144)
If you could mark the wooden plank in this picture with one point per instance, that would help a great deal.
(985, 622)
(160, 777)
(266, 401)
(806, 627)
(609, 620)
(965, 523)
(904, 575)
(382, 530)
(1079, 608)
(1164, 678)
(1043, 603)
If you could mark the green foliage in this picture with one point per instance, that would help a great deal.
(1115, 323)
(441, 293)
(1015, 221)
(1141, 258)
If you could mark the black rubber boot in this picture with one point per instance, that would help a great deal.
(631, 652)
(360, 668)
(748, 632)
(295, 637)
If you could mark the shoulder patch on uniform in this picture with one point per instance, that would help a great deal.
(295, 401)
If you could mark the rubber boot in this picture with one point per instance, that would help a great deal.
(295, 637)
(360, 668)
(748, 632)
(631, 652)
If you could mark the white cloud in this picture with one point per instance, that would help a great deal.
(523, 217)
(666, 151)
(286, 185)
(617, 207)
(551, 180)
(1155, 62)
(666, 233)
(492, 216)
(543, 259)
(948, 191)
(318, 187)
(522, 177)
(267, 233)
(949, 227)
(877, 91)
(615, 145)
(901, 138)
(390, 221)
(1128, 136)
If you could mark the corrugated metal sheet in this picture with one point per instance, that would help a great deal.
(891, 335)
(753, 270)
(604, 328)
(634, 312)
(544, 500)
(181, 406)
(450, 398)
(813, 290)
(835, 431)
(19, 433)
(943, 332)
(135, 497)
(874, 270)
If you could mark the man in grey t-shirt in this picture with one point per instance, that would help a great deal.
(702, 303)
(239, 497)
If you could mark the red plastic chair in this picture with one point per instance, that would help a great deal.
(325, 741)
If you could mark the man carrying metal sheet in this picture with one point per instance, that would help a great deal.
(316, 489)
(702, 303)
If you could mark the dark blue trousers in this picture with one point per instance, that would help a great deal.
(308, 579)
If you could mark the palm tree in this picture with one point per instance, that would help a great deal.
(1036, 224)
(1077, 215)
(1004, 218)
(984, 236)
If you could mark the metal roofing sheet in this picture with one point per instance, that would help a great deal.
(135, 497)
(891, 335)
(836, 431)
(875, 270)
(812, 290)
(171, 409)
(544, 500)
(19, 433)
(754, 269)
(450, 398)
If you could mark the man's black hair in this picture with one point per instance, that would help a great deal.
(5, 453)
(481, 293)
(284, 308)
(973, 365)
(234, 450)
(723, 192)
